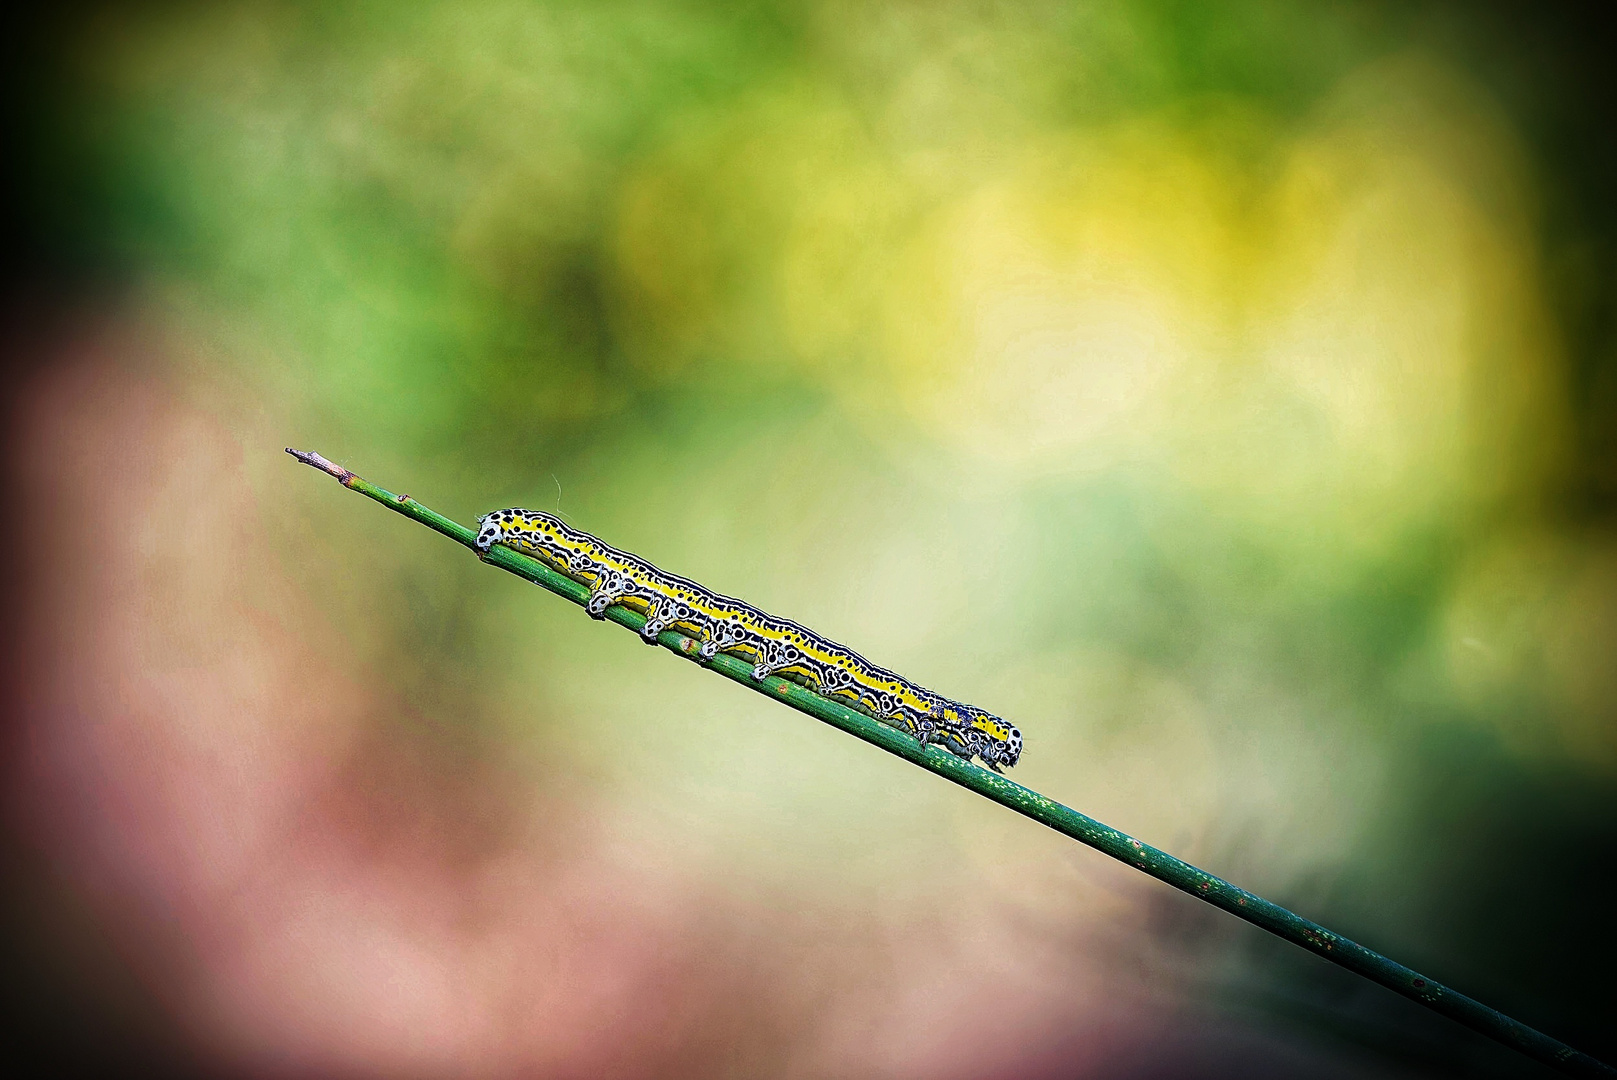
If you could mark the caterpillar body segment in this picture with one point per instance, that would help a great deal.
(773, 645)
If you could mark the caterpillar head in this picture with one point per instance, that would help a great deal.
(490, 530)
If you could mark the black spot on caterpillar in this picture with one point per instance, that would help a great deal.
(775, 646)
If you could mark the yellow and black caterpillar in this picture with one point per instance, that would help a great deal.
(775, 646)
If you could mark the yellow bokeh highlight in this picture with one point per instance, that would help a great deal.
(1334, 325)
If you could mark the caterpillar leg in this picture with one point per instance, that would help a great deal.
(609, 588)
(925, 730)
(832, 681)
(908, 720)
(939, 724)
(947, 737)
(665, 612)
(772, 656)
(658, 616)
(721, 637)
(766, 661)
(986, 752)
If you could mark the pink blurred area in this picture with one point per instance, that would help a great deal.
(295, 876)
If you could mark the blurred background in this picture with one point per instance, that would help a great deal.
(1223, 392)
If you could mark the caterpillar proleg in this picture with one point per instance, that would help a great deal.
(775, 646)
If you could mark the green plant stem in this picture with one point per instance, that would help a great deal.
(1159, 864)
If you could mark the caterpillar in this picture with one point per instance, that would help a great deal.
(773, 645)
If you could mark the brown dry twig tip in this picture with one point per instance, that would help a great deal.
(309, 457)
(1250, 907)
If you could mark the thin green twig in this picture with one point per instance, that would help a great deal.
(1159, 864)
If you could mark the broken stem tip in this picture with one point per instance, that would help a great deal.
(309, 457)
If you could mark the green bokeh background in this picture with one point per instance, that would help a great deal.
(1221, 392)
